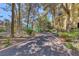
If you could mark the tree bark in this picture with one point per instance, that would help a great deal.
(29, 8)
(12, 22)
(19, 19)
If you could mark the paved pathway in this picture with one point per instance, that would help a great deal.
(43, 45)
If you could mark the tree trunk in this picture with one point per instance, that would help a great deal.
(12, 22)
(19, 19)
(67, 9)
(28, 19)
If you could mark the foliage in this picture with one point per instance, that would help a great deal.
(29, 31)
(69, 36)
(38, 28)
(69, 45)
(2, 30)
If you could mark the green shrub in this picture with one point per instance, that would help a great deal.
(29, 31)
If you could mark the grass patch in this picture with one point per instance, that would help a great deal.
(2, 30)
(69, 45)
(69, 36)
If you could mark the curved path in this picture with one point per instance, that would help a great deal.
(43, 45)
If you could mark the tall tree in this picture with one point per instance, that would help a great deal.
(19, 19)
(67, 8)
(28, 17)
(12, 22)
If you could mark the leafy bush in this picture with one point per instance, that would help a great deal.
(29, 31)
